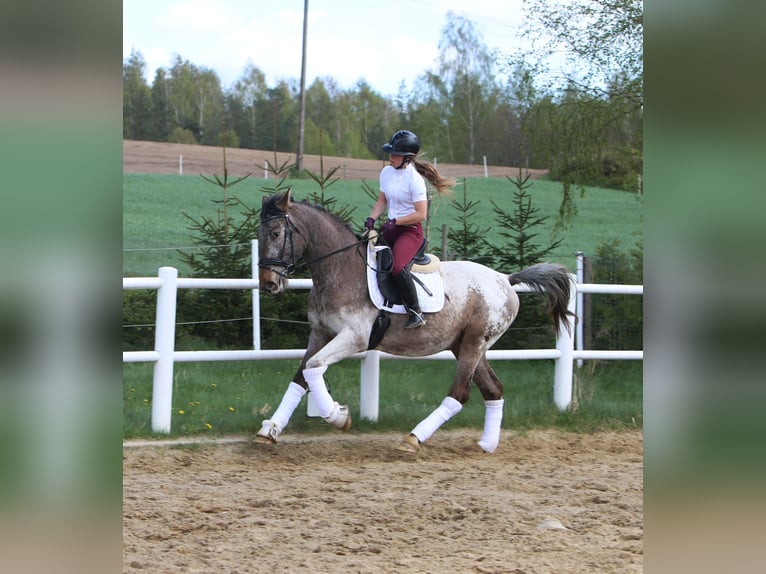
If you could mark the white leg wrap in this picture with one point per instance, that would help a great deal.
(444, 412)
(322, 398)
(338, 417)
(493, 418)
(271, 428)
(290, 402)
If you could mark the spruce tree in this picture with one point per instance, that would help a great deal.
(518, 228)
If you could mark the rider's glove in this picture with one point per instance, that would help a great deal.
(389, 225)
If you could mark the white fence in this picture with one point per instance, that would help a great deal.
(165, 356)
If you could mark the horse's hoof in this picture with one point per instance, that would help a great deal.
(485, 447)
(264, 440)
(340, 418)
(409, 444)
(267, 434)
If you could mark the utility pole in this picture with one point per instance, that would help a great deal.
(302, 115)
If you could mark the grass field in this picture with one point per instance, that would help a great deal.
(226, 397)
(154, 224)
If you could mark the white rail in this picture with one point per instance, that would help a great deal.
(165, 356)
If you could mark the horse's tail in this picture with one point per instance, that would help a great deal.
(552, 280)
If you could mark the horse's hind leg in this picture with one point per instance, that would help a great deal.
(468, 359)
(492, 390)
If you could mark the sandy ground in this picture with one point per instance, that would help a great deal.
(154, 157)
(336, 502)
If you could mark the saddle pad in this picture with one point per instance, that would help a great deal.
(428, 303)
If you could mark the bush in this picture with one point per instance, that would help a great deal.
(617, 320)
(182, 136)
(138, 317)
(612, 171)
(229, 139)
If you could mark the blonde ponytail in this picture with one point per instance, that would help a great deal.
(442, 184)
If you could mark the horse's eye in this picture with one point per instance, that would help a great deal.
(274, 234)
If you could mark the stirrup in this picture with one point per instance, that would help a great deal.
(416, 320)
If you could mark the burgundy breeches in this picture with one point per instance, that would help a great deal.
(405, 240)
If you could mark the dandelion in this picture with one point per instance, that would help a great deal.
(232, 409)
(213, 386)
(181, 412)
(208, 426)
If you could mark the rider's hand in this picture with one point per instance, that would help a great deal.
(389, 225)
(369, 225)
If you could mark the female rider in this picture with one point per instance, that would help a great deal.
(403, 192)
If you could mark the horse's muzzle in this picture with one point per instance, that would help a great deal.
(270, 282)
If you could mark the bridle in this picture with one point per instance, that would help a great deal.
(288, 268)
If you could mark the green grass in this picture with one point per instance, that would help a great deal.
(234, 397)
(153, 219)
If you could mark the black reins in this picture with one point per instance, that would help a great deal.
(289, 268)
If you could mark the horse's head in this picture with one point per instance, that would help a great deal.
(280, 244)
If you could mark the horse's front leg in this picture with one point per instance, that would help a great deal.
(344, 344)
(320, 353)
(271, 428)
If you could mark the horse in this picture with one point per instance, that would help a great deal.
(479, 306)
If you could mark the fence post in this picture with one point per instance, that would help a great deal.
(369, 387)
(578, 307)
(256, 297)
(164, 345)
(562, 375)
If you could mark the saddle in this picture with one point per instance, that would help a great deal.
(422, 262)
(383, 293)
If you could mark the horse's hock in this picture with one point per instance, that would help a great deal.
(350, 502)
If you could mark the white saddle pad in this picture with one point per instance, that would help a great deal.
(428, 303)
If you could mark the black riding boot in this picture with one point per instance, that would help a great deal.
(406, 287)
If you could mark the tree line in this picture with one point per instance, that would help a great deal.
(460, 109)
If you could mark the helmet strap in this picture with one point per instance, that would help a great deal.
(406, 159)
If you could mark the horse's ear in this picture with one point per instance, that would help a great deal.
(275, 204)
(284, 202)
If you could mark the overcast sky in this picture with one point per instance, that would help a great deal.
(382, 42)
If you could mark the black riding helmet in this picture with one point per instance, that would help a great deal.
(403, 143)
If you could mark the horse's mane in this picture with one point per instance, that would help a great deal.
(329, 213)
(270, 209)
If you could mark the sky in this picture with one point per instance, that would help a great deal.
(381, 42)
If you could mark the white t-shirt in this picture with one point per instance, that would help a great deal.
(402, 188)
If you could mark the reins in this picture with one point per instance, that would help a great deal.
(291, 267)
